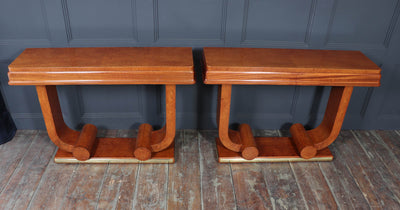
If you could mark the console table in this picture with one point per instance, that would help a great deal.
(45, 68)
(244, 66)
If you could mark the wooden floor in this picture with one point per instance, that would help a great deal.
(365, 174)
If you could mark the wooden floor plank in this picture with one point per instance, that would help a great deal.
(84, 188)
(22, 185)
(151, 188)
(184, 189)
(391, 139)
(86, 184)
(313, 185)
(52, 188)
(382, 160)
(367, 177)
(281, 182)
(342, 184)
(250, 186)
(314, 189)
(119, 183)
(216, 179)
(364, 174)
(12, 152)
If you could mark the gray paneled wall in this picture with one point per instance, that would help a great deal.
(370, 26)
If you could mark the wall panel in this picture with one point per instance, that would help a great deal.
(366, 25)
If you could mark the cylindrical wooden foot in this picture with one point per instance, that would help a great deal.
(143, 149)
(83, 148)
(303, 142)
(249, 147)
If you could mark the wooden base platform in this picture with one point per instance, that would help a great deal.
(117, 150)
(271, 149)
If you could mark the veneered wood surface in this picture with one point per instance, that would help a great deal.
(323, 135)
(84, 145)
(117, 150)
(289, 67)
(292, 149)
(62, 136)
(271, 149)
(115, 65)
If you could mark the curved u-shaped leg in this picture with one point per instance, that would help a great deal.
(167, 133)
(326, 133)
(58, 131)
(224, 104)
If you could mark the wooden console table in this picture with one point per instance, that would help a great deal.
(240, 66)
(49, 67)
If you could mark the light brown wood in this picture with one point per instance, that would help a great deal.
(289, 67)
(117, 150)
(329, 129)
(143, 150)
(83, 66)
(249, 148)
(83, 148)
(341, 69)
(168, 131)
(224, 102)
(271, 149)
(62, 136)
(47, 67)
(303, 143)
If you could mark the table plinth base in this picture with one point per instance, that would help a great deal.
(271, 149)
(117, 150)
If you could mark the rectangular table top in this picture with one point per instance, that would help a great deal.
(289, 67)
(112, 65)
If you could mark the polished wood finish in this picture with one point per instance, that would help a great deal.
(113, 65)
(341, 69)
(143, 150)
(86, 142)
(249, 148)
(168, 131)
(289, 67)
(49, 67)
(62, 136)
(303, 142)
(224, 104)
(117, 150)
(271, 149)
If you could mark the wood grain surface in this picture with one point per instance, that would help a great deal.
(115, 65)
(363, 176)
(289, 67)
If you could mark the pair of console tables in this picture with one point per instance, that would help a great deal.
(47, 67)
